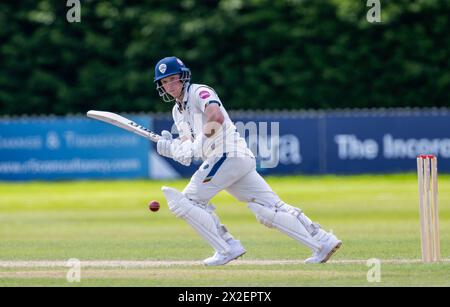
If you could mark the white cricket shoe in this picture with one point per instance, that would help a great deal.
(330, 244)
(236, 250)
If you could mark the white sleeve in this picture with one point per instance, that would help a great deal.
(183, 128)
(205, 95)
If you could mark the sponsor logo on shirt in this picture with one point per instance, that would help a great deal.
(204, 94)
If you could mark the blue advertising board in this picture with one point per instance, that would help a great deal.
(338, 142)
(288, 143)
(282, 144)
(51, 148)
(385, 141)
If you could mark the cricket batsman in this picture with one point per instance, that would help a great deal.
(207, 133)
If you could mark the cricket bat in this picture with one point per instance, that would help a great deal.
(124, 123)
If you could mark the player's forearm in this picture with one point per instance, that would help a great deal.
(214, 120)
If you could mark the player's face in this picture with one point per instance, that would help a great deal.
(172, 85)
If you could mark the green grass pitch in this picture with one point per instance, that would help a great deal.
(104, 221)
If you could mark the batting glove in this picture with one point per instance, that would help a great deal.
(163, 147)
(182, 153)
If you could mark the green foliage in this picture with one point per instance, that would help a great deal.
(285, 54)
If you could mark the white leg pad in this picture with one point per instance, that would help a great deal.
(204, 221)
(287, 220)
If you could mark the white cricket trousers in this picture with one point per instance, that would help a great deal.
(236, 175)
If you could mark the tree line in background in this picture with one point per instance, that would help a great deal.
(257, 54)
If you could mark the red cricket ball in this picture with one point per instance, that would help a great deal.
(153, 206)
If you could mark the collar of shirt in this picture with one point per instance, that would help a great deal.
(185, 98)
(186, 94)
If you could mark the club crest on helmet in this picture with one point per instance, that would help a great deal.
(162, 68)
